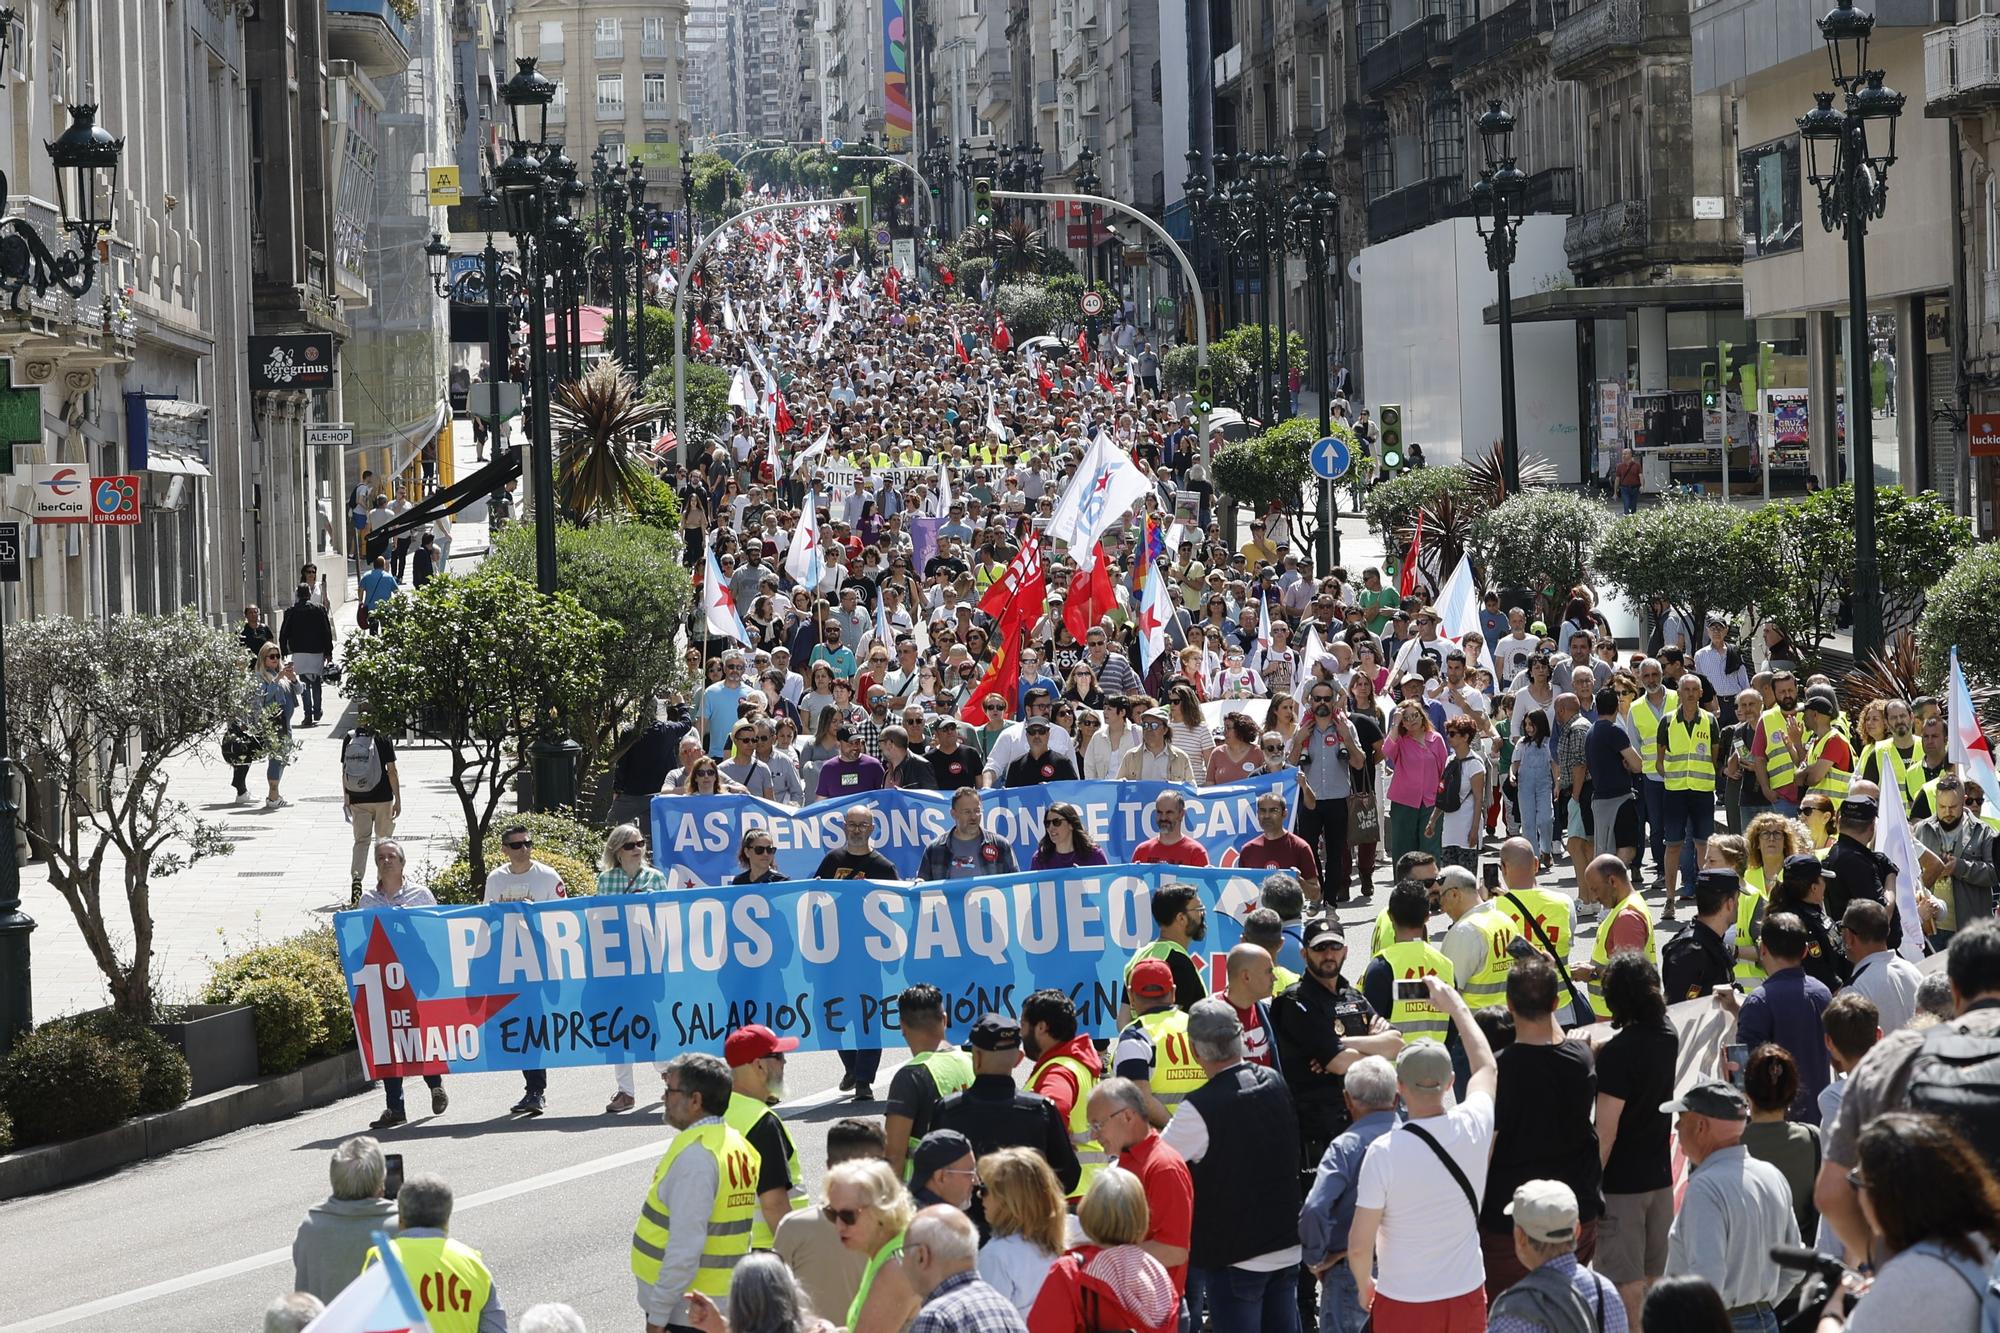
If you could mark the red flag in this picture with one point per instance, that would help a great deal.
(1406, 586)
(1023, 583)
(783, 418)
(946, 276)
(1043, 382)
(1091, 597)
(1003, 678)
(674, 256)
(703, 339)
(958, 345)
(1103, 379)
(891, 283)
(1083, 344)
(1002, 339)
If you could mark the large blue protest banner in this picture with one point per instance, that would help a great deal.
(586, 981)
(700, 836)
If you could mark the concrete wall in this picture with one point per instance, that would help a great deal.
(1426, 346)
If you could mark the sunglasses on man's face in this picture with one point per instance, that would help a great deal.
(519, 844)
(845, 1217)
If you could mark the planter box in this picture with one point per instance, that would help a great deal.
(220, 1043)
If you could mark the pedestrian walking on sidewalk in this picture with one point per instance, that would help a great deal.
(390, 893)
(306, 636)
(372, 791)
(277, 699)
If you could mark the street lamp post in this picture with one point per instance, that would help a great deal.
(1314, 230)
(687, 194)
(1853, 184)
(1499, 199)
(1085, 175)
(636, 187)
(86, 163)
(527, 194)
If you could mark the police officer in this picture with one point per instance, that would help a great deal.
(696, 1221)
(1803, 892)
(995, 1114)
(756, 1057)
(1697, 960)
(452, 1282)
(1153, 1050)
(1323, 1025)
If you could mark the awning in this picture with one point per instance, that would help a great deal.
(454, 497)
(175, 465)
(1613, 302)
(590, 322)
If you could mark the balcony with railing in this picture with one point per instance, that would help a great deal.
(1415, 207)
(1596, 36)
(609, 48)
(655, 48)
(1962, 66)
(369, 33)
(550, 56)
(1608, 237)
(1502, 32)
(1228, 66)
(1552, 191)
(1403, 54)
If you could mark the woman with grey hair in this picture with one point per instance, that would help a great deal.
(764, 1297)
(623, 868)
(392, 892)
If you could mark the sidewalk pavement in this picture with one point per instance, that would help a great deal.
(289, 869)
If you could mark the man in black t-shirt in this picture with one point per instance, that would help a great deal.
(1697, 960)
(857, 860)
(1637, 1067)
(756, 1058)
(953, 765)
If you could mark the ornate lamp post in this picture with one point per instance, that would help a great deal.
(1499, 199)
(1852, 177)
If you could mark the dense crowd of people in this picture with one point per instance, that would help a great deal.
(1461, 1119)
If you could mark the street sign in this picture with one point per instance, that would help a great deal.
(837, 143)
(1092, 303)
(330, 435)
(1330, 458)
(1983, 435)
(479, 400)
(882, 237)
(443, 182)
(10, 552)
(114, 501)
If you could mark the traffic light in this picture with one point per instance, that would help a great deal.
(1390, 421)
(1204, 389)
(1711, 388)
(982, 201)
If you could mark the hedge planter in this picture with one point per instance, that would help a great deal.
(220, 1043)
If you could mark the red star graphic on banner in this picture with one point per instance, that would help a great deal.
(402, 1010)
(1149, 620)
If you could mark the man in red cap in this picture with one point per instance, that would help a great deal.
(756, 1058)
(1152, 1051)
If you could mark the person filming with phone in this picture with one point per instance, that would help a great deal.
(1327, 752)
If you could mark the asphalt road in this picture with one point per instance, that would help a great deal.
(200, 1241)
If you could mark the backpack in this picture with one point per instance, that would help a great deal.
(1547, 1299)
(360, 764)
(1957, 1075)
(1984, 1281)
(1451, 792)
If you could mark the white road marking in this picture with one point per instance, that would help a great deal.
(498, 1194)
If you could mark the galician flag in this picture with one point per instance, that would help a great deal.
(1264, 639)
(1314, 651)
(993, 422)
(803, 561)
(1893, 840)
(1107, 486)
(718, 604)
(380, 1300)
(1970, 749)
(1155, 608)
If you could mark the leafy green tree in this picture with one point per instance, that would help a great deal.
(1539, 540)
(1030, 311)
(1392, 505)
(631, 576)
(470, 662)
(1694, 553)
(1959, 613)
(99, 710)
(1178, 364)
(1246, 341)
(1806, 548)
(707, 390)
(1275, 467)
(656, 324)
(716, 181)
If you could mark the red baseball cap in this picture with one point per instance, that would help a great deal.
(752, 1043)
(1151, 980)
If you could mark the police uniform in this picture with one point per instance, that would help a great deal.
(1694, 962)
(1308, 1022)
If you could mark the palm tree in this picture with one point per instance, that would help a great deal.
(596, 419)
(1018, 249)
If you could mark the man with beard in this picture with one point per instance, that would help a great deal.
(1937, 758)
(1182, 921)
(1779, 748)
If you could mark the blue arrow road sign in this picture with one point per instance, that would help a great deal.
(1330, 457)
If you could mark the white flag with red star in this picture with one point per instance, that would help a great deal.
(1155, 606)
(804, 561)
(718, 604)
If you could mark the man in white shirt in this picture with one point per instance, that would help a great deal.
(1888, 979)
(1456, 692)
(525, 880)
(1417, 1197)
(1511, 653)
(1012, 743)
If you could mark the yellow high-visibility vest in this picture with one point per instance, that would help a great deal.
(1489, 984)
(1690, 752)
(1089, 1152)
(742, 1116)
(1648, 723)
(1550, 910)
(1408, 961)
(951, 1071)
(451, 1281)
(1176, 1072)
(1834, 784)
(1600, 954)
(1778, 766)
(1889, 765)
(729, 1221)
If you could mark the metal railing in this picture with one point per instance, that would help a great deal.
(1403, 53)
(1502, 31)
(1963, 61)
(1415, 206)
(1597, 33)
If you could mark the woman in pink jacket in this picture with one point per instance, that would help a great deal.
(1417, 754)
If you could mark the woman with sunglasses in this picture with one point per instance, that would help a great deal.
(1065, 842)
(870, 1210)
(277, 698)
(623, 868)
(1933, 1204)
(758, 856)
(1082, 687)
(1816, 812)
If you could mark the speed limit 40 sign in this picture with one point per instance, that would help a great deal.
(1092, 303)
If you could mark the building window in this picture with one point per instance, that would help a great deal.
(653, 36)
(611, 92)
(551, 42)
(560, 102)
(1317, 90)
(610, 38)
(656, 90)
(1992, 284)
(1772, 222)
